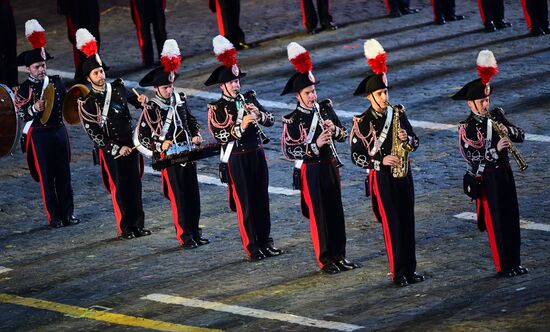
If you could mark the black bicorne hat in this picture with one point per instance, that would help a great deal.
(36, 35)
(376, 58)
(300, 59)
(158, 77)
(480, 88)
(227, 55)
(370, 84)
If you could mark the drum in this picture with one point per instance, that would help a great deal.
(10, 130)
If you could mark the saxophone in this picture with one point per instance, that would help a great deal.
(513, 150)
(399, 149)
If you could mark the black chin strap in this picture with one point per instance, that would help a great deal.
(376, 101)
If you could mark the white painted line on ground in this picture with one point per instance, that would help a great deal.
(4, 269)
(274, 104)
(522, 222)
(250, 312)
(215, 181)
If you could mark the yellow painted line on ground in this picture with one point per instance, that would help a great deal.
(108, 317)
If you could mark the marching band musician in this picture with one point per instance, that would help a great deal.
(106, 119)
(47, 140)
(307, 135)
(166, 124)
(243, 165)
(487, 154)
(371, 148)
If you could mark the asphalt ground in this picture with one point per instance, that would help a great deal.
(81, 278)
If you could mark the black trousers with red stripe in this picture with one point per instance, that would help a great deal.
(80, 14)
(443, 9)
(393, 205)
(312, 17)
(491, 10)
(181, 187)
(498, 213)
(536, 13)
(228, 13)
(397, 6)
(122, 179)
(147, 13)
(248, 182)
(321, 193)
(48, 149)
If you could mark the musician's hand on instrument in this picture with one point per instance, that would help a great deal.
(253, 109)
(166, 145)
(324, 138)
(329, 125)
(125, 150)
(39, 105)
(402, 134)
(503, 128)
(142, 99)
(248, 119)
(390, 160)
(504, 143)
(196, 140)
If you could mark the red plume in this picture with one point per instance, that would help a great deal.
(302, 63)
(228, 57)
(171, 63)
(37, 39)
(378, 63)
(486, 73)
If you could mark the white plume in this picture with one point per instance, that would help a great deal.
(294, 49)
(486, 58)
(373, 48)
(221, 44)
(32, 26)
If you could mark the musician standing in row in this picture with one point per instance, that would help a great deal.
(147, 13)
(487, 155)
(444, 10)
(165, 125)
(536, 16)
(80, 14)
(234, 121)
(47, 140)
(307, 140)
(492, 15)
(374, 146)
(311, 17)
(106, 119)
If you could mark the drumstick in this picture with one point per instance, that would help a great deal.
(134, 90)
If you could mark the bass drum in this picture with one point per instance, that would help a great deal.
(10, 130)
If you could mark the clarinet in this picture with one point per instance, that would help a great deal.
(263, 136)
(522, 164)
(331, 143)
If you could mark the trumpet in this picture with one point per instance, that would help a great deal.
(331, 143)
(263, 136)
(522, 164)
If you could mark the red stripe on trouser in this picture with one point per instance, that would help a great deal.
(304, 20)
(388, 5)
(434, 10)
(481, 12)
(37, 166)
(526, 13)
(112, 186)
(491, 232)
(173, 206)
(72, 33)
(137, 21)
(312, 221)
(240, 217)
(219, 15)
(384, 221)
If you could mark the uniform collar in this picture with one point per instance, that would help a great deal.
(304, 109)
(377, 115)
(478, 118)
(34, 80)
(227, 98)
